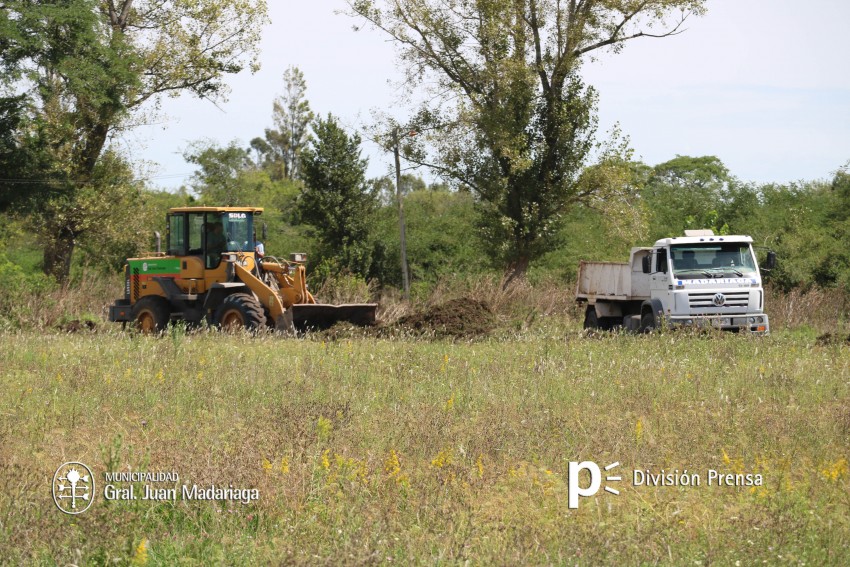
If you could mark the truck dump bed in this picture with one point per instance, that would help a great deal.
(609, 280)
(614, 281)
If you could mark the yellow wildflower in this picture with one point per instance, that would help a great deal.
(140, 557)
(284, 466)
(442, 459)
(392, 465)
(267, 466)
(324, 428)
(836, 470)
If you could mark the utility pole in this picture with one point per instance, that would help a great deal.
(404, 275)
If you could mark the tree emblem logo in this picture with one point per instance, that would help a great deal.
(719, 299)
(73, 488)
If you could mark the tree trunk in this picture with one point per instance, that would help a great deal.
(58, 253)
(516, 270)
(59, 248)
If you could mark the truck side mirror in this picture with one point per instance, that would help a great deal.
(265, 232)
(770, 263)
(647, 264)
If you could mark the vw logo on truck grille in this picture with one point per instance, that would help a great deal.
(719, 299)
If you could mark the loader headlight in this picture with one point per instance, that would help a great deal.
(298, 257)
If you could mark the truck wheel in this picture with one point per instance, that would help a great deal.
(240, 310)
(151, 314)
(647, 322)
(591, 320)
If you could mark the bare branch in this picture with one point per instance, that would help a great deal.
(613, 39)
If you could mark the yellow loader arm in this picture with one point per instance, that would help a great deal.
(293, 286)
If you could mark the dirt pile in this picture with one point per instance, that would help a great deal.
(830, 339)
(456, 318)
(78, 326)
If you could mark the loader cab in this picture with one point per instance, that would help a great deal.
(208, 233)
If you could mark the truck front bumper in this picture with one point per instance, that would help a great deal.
(750, 322)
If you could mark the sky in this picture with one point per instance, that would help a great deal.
(762, 84)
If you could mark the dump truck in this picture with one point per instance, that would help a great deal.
(211, 273)
(700, 279)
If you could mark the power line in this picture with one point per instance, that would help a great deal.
(31, 181)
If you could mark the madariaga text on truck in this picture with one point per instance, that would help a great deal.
(701, 279)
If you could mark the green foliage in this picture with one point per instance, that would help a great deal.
(86, 66)
(335, 200)
(588, 235)
(15, 284)
(441, 241)
(280, 152)
(799, 222)
(510, 117)
(218, 180)
(686, 193)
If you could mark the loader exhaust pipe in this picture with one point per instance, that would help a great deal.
(158, 237)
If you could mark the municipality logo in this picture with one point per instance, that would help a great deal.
(73, 488)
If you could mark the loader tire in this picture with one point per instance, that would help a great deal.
(151, 314)
(240, 311)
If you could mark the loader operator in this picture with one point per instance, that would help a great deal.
(215, 245)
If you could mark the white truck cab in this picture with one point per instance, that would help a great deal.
(700, 279)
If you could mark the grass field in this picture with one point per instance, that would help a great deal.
(403, 451)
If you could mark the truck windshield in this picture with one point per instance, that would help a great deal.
(239, 230)
(712, 260)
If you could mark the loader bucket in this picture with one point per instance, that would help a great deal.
(319, 316)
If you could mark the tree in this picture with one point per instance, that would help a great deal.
(510, 117)
(217, 181)
(292, 116)
(841, 190)
(335, 199)
(687, 192)
(89, 65)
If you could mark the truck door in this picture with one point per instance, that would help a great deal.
(659, 286)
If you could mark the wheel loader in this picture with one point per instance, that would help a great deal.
(210, 273)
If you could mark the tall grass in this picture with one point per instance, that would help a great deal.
(415, 452)
(43, 305)
(825, 310)
(46, 305)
